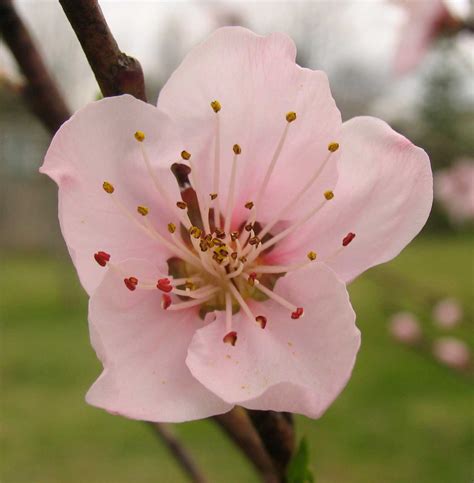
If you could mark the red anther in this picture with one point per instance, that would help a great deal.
(262, 320)
(230, 338)
(131, 283)
(297, 313)
(165, 301)
(164, 284)
(252, 278)
(347, 239)
(102, 258)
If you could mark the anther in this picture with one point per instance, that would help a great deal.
(249, 205)
(255, 240)
(237, 149)
(185, 155)
(216, 242)
(347, 239)
(312, 256)
(182, 205)
(143, 210)
(131, 283)
(190, 285)
(108, 187)
(220, 234)
(234, 235)
(213, 196)
(297, 313)
(333, 147)
(251, 279)
(204, 245)
(171, 227)
(249, 227)
(102, 258)
(164, 284)
(291, 116)
(216, 106)
(329, 195)
(165, 301)
(140, 136)
(234, 255)
(243, 259)
(262, 320)
(230, 338)
(195, 232)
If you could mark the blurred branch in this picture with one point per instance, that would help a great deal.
(277, 433)
(40, 90)
(116, 72)
(239, 428)
(183, 458)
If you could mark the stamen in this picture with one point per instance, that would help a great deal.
(213, 196)
(216, 106)
(143, 210)
(189, 304)
(249, 205)
(241, 302)
(230, 197)
(140, 136)
(197, 294)
(251, 278)
(312, 256)
(262, 320)
(329, 195)
(299, 195)
(102, 258)
(333, 147)
(237, 272)
(165, 301)
(171, 227)
(277, 298)
(281, 268)
(228, 312)
(164, 284)
(182, 205)
(290, 117)
(131, 283)
(230, 338)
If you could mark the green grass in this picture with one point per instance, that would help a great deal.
(402, 418)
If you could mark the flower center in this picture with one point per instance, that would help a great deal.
(216, 266)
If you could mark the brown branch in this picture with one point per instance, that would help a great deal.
(184, 459)
(276, 431)
(239, 428)
(40, 92)
(116, 72)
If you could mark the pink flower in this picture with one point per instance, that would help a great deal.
(452, 352)
(425, 20)
(405, 328)
(189, 320)
(454, 189)
(447, 313)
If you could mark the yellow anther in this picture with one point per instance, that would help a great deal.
(171, 227)
(237, 149)
(204, 245)
(291, 116)
(333, 147)
(195, 232)
(243, 259)
(216, 106)
(140, 136)
(182, 205)
(185, 155)
(190, 285)
(213, 196)
(108, 187)
(249, 205)
(329, 195)
(312, 256)
(143, 210)
(234, 235)
(255, 240)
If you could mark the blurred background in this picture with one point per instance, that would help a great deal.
(407, 413)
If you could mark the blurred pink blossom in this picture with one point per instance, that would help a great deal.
(454, 189)
(447, 313)
(452, 352)
(425, 20)
(405, 328)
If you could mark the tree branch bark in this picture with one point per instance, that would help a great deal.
(239, 428)
(277, 433)
(40, 91)
(116, 72)
(184, 459)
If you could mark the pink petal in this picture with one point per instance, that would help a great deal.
(383, 195)
(257, 83)
(292, 365)
(143, 350)
(97, 144)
